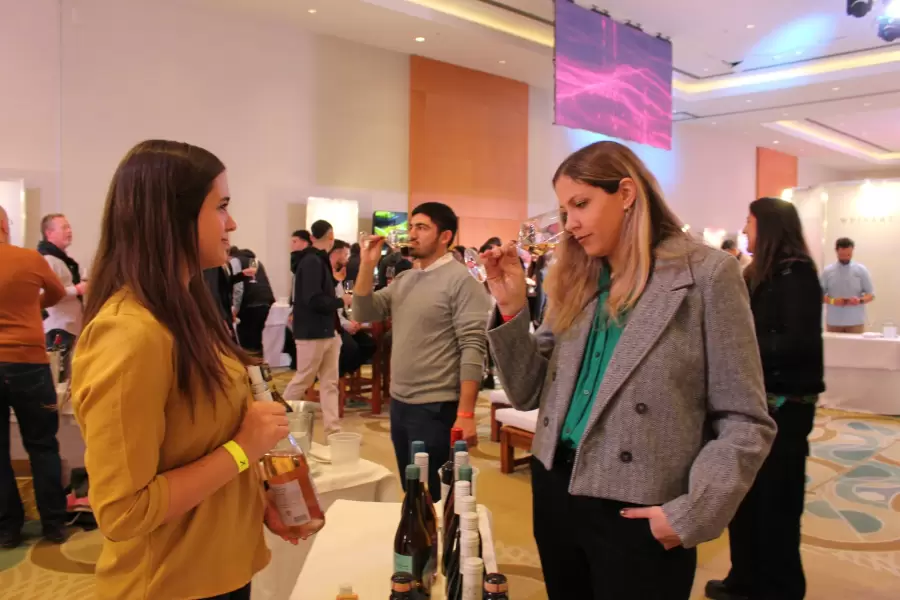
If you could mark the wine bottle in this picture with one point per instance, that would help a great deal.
(473, 579)
(446, 471)
(496, 587)
(401, 586)
(468, 545)
(463, 487)
(421, 460)
(459, 458)
(412, 543)
(287, 475)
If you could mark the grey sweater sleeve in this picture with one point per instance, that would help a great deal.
(373, 308)
(470, 309)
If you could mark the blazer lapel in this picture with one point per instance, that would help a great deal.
(570, 353)
(660, 301)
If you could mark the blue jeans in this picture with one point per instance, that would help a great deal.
(429, 423)
(28, 390)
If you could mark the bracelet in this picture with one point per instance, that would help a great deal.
(238, 454)
(465, 415)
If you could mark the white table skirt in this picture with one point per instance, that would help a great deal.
(273, 333)
(862, 374)
(367, 482)
(356, 548)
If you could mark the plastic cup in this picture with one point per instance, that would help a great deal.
(344, 449)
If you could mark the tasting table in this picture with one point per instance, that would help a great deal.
(357, 548)
(862, 374)
(366, 481)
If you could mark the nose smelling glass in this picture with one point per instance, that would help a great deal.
(541, 234)
(398, 238)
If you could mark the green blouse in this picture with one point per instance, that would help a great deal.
(598, 351)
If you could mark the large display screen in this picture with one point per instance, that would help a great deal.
(611, 78)
(383, 221)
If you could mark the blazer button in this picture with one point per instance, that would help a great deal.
(640, 408)
(625, 457)
(546, 421)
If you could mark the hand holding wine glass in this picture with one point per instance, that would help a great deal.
(506, 278)
(370, 249)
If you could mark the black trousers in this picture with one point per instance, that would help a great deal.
(590, 552)
(429, 423)
(28, 390)
(356, 350)
(250, 328)
(765, 532)
(241, 594)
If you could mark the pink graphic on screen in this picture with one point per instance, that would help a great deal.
(612, 79)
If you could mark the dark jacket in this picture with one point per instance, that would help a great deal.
(787, 312)
(315, 303)
(352, 268)
(258, 292)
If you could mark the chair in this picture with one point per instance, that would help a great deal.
(498, 401)
(517, 431)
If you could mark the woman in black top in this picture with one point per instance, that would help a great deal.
(786, 300)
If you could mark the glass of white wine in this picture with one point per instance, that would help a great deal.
(254, 264)
(398, 238)
(539, 235)
(474, 265)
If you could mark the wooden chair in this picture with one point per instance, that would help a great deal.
(516, 431)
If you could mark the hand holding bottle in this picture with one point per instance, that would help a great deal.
(506, 278)
(264, 425)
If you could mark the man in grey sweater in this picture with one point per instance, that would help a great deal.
(439, 316)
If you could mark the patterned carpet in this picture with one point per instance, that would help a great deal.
(851, 527)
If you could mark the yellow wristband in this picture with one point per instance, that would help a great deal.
(238, 454)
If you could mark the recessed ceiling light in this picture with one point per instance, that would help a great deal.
(750, 26)
(867, 104)
(420, 39)
(713, 123)
(311, 11)
(776, 142)
(835, 89)
(706, 70)
(749, 101)
(784, 114)
(777, 56)
(502, 62)
(799, 52)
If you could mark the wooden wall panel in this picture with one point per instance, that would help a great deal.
(468, 147)
(775, 172)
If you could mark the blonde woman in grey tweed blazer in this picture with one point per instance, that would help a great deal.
(646, 445)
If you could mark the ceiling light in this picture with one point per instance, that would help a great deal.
(799, 52)
(311, 11)
(867, 104)
(420, 39)
(713, 123)
(889, 22)
(776, 142)
(750, 26)
(502, 62)
(749, 101)
(859, 8)
(706, 70)
(784, 114)
(835, 89)
(777, 56)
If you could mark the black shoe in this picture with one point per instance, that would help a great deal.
(717, 590)
(55, 535)
(10, 539)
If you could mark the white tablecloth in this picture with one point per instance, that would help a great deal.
(273, 333)
(368, 482)
(862, 374)
(356, 547)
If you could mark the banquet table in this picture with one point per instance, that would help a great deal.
(862, 373)
(366, 481)
(356, 548)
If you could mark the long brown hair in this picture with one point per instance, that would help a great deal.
(572, 280)
(779, 237)
(149, 236)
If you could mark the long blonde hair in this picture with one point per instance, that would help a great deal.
(572, 280)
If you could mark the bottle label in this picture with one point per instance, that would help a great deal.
(290, 503)
(403, 563)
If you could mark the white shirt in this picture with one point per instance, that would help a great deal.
(67, 314)
(445, 259)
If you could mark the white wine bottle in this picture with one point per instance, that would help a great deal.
(287, 475)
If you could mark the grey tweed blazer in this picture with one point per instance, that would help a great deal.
(680, 419)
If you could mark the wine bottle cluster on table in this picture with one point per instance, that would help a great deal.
(413, 541)
(287, 475)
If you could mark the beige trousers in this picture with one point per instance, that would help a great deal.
(318, 358)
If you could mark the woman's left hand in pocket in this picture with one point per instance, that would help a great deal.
(659, 524)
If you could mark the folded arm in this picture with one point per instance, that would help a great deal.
(743, 431)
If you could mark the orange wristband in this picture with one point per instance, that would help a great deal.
(466, 415)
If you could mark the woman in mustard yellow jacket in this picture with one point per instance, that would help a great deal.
(161, 392)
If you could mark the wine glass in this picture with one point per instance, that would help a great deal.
(474, 265)
(364, 237)
(398, 238)
(254, 264)
(539, 235)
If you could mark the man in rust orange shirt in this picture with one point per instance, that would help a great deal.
(27, 284)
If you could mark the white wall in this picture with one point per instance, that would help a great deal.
(810, 173)
(708, 178)
(290, 113)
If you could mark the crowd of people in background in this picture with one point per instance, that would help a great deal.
(607, 322)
